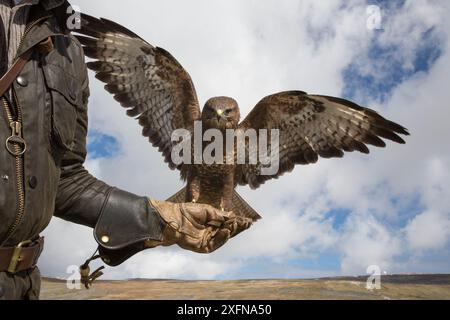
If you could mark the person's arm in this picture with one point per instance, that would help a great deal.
(125, 223)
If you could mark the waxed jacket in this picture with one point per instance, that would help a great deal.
(49, 99)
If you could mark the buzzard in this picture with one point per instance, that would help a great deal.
(155, 89)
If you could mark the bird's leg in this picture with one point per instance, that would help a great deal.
(193, 197)
(226, 203)
(193, 189)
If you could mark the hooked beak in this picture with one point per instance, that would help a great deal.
(219, 114)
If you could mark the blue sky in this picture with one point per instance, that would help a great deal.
(101, 145)
(334, 218)
(394, 72)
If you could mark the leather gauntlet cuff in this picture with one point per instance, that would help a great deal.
(125, 223)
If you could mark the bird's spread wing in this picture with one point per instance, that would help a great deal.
(310, 126)
(146, 80)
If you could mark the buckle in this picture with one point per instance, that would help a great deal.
(16, 257)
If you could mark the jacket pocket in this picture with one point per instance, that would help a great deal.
(64, 96)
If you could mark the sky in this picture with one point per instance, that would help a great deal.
(337, 217)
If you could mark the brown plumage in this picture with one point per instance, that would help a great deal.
(155, 88)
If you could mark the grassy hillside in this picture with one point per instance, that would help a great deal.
(393, 287)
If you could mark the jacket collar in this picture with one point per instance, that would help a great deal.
(50, 4)
(47, 28)
(47, 4)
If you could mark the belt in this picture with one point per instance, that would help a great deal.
(22, 257)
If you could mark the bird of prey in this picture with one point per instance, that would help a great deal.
(155, 89)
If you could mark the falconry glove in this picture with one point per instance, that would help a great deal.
(197, 227)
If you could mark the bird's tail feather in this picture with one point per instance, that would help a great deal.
(178, 197)
(240, 206)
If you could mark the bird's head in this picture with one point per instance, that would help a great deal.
(221, 113)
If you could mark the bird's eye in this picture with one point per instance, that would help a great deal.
(228, 111)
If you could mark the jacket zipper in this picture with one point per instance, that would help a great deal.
(18, 161)
(16, 126)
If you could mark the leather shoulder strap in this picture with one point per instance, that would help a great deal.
(9, 77)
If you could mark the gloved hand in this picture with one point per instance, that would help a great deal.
(197, 227)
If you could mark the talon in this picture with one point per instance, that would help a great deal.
(194, 201)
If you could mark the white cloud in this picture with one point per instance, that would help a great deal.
(163, 263)
(429, 230)
(366, 242)
(251, 49)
